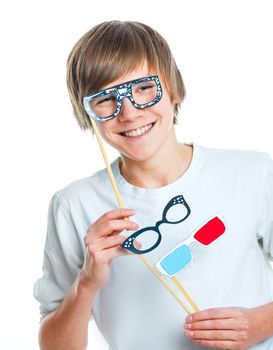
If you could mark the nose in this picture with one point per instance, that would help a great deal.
(128, 110)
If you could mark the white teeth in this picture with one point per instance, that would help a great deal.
(138, 132)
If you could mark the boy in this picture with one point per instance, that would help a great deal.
(132, 88)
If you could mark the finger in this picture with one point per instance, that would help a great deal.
(217, 313)
(215, 334)
(112, 241)
(106, 243)
(92, 238)
(110, 227)
(107, 255)
(115, 233)
(227, 323)
(120, 213)
(216, 344)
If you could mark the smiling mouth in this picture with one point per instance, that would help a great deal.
(137, 132)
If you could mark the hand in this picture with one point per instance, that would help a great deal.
(226, 328)
(103, 244)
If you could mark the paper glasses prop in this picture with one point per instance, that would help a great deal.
(107, 104)
(181, 256)
(119, 200)
(150, 237)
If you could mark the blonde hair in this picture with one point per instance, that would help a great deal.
(112, 49)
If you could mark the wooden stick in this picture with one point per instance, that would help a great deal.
(109, 169)
(144, 260)
(162, 280)
(186, 295)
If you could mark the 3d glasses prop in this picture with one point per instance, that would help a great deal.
(181, 256)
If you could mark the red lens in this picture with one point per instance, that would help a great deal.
(208, 233)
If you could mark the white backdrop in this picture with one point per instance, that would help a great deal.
(224, 51)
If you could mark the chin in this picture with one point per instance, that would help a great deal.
(139, 155)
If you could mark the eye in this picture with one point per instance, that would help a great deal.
(105, 100)
(145, 87)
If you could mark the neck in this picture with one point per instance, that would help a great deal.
(163, 168)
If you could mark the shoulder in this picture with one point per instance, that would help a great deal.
(230, 164)
(87, 188)
(237, 158)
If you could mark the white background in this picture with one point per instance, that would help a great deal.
(224, 51)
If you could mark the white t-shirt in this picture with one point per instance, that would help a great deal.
(133, 310)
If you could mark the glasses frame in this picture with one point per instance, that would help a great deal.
(122, 91)
(129, 242)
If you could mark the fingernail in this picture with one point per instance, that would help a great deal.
(188, 319)
(188, 333)
(187, 325)
(135, 224)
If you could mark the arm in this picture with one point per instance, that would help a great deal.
(240, 328)
(230, 328)
(67, 327)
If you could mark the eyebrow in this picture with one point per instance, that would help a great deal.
(126, 82)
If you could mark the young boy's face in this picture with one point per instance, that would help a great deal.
(159, 134)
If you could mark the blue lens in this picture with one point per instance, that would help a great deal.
(176, 260)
